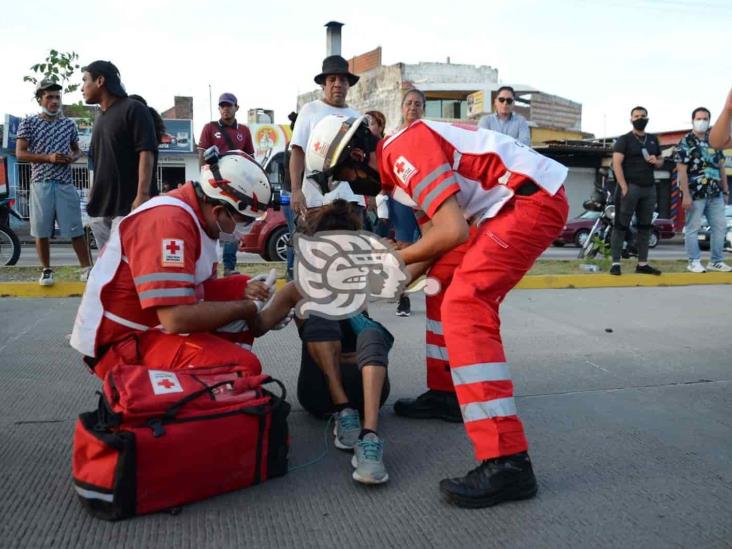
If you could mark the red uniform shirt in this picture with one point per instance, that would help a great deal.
(160, 247)
(428, 162)
(239, 134)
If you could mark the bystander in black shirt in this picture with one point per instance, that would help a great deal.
(120, 133)
(637, 170)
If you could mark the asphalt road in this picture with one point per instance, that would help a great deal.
(625, 395)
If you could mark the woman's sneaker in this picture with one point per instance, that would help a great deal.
(719, 266)
(368, 460)
(346, 429)
(46, 277)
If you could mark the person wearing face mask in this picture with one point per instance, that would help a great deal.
(635, 156)
(153, 297)
(704, 190)
(50, 142)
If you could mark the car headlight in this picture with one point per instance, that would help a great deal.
(610, 212)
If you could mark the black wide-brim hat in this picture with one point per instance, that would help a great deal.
(335, 64)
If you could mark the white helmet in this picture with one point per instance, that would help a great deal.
(236, 179)
(329, 146)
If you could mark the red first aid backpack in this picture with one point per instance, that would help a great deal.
(163, 438)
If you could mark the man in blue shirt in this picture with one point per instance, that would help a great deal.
(50, 143)
(504, 120)
(704, 191)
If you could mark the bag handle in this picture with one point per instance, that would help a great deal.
(240, 385)
(227, 137)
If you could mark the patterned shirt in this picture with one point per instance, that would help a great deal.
(702, 162)
(46, 137)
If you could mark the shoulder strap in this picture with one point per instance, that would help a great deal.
(227, 137)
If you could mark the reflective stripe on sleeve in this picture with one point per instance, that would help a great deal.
(436, 192)
(428, 179)
(164, 277)
(435, 351)
(477, 373)
(434, 326)
(500, 407)
(167, 292)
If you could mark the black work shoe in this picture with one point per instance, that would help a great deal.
(615, 270)
(405, 307)
(430, 405)
(647, 270)
(496, 480)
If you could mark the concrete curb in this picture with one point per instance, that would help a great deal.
(530, 282)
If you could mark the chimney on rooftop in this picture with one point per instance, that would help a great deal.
(333, 38)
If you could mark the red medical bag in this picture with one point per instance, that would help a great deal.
(163, 438)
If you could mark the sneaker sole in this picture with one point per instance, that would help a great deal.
(516, 494)
(338, 444)
(366, 480)
(402, 313)
(44, 283)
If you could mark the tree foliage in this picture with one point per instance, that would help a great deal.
(58, 67)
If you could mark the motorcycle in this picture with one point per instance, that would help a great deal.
(602, 230)
(9, 243)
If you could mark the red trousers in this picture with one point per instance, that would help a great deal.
(231, 344)
(494, 260)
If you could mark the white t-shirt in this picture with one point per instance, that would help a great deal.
(310, 114)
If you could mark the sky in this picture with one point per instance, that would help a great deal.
(667, 55)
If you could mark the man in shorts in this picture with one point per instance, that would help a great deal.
(50, 142)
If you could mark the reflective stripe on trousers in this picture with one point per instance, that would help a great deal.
(502, 250)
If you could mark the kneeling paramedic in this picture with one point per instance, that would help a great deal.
(488, 207)
(153, 297)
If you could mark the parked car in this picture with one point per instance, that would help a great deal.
(576, 230)
(269, 237)
(705, 234)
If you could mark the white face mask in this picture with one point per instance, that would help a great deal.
(49, 113)
(701, 125)
(239, 232)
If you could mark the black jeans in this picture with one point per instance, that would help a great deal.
(640, 201)
(312, 386)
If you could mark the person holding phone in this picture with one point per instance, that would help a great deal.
(635, 156)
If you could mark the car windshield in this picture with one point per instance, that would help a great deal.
(588, 214)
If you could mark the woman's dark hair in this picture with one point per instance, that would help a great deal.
(415, 91)
(157, 119)
(339, 215)
(380, 119)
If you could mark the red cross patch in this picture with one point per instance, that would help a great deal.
(164, 382)
(404, 170)
(320, 148)
(173, 250)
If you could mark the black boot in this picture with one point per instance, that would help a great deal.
(493, 481)
(432, 404)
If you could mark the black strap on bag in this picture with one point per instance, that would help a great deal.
(227, 137)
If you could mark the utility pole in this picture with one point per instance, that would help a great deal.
(210, 104)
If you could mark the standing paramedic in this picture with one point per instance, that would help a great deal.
(488, 206)
(153, 297)
(228, 135)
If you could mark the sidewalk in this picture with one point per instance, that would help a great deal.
(626, 403)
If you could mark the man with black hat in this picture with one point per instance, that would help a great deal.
(336, 80)
(122, 149)
(228, 135)
(50, 142)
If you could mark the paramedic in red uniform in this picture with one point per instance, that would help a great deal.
(153, 297)
(488, 207)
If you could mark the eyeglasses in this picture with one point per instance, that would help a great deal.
(508, 100)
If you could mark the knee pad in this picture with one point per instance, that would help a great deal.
(371, 349)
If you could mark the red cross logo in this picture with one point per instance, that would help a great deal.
(399, 166)
(172, 247)
(317, 146)
(166, 382)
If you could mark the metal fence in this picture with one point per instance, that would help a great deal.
(79, 175)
